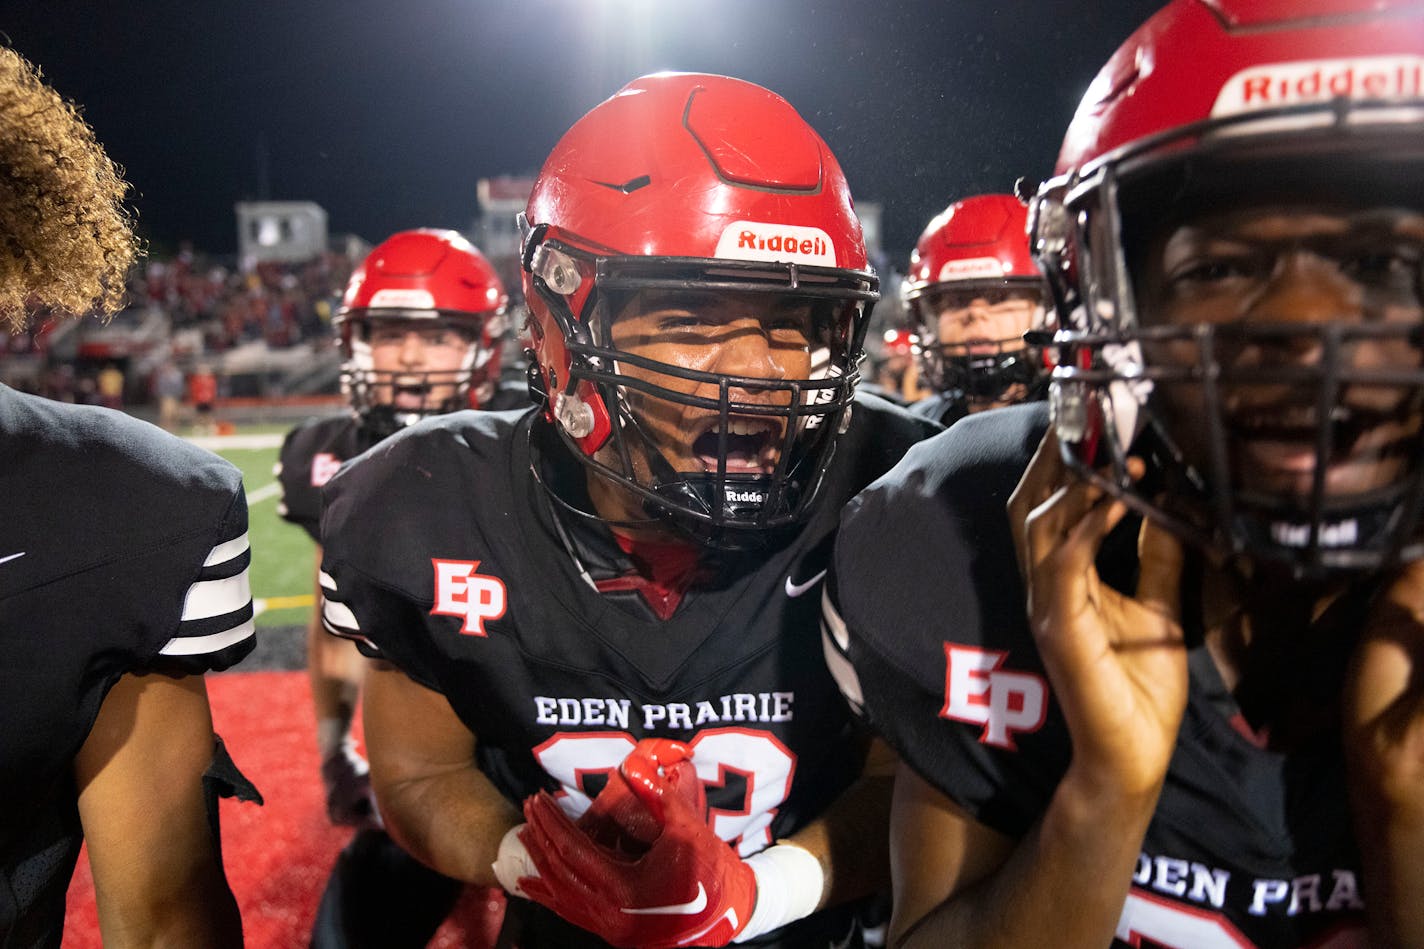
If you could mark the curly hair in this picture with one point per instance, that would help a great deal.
(66, 238)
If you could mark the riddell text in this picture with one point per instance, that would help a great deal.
(1399, 81)
(777, 243)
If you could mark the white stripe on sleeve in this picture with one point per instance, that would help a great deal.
(215, 642)
(215, 597)
(327, 581)
(835, 640)
(339, 616)
(226, 551)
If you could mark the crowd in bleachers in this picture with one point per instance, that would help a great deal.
(282, 304)
(208, 305)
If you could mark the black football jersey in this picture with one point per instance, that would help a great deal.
(509, 394)
(311, 453)
(946, 408)
(122, 550)
(443, 556)
(1248, 847)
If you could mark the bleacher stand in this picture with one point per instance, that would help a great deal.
(265, 330)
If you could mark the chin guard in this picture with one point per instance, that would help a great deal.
(735, 500)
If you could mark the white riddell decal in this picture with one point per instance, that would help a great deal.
(402, 299)
(974, 268)
(776, 243)
(1321, 80)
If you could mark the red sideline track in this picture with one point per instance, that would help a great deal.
(278, 856)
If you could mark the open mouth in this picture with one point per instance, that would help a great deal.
(1275, 447)
(409, 396)
(984, 347)
(752, 445)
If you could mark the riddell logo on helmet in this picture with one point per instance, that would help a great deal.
(1320, 80)
(1344, 533)
(746, 497)
(973, 268)
(776, 243)
(402, 299)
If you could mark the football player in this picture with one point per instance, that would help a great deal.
(1205, 728)
(420, 326)
(896, 374)
(973, 291)
(603, 611)
(123, 578)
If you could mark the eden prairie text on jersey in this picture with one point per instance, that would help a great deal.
(761, 707)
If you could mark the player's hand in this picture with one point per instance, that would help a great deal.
(618, 820)
(1384, 706)
(681, 886)
(347, 779)
(1117, 663)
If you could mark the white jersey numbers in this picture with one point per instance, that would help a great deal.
(755, 760)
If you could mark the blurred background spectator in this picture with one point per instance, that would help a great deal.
(258, 319)
(168, 389)
(263, 331)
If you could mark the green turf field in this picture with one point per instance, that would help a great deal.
(283, 576)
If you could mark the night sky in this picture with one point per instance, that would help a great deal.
(387, 113)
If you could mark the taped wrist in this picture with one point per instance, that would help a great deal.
(512, 861)
(789, 885)
(333, 732)
(332, 737)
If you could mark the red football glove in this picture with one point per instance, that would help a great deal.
(619, 818)
(642, 868)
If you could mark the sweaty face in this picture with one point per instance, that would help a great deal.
(1273, 281)
(755, 336)
(417, 366)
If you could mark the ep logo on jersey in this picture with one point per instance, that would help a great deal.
(324, 465)
(977, 691)
(459, 591)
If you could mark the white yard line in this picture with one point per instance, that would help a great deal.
(220, 442)
(264, 493)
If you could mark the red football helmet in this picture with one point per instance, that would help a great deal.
(899, 342)
(695, 184)
(977, 247)
(1212, 107)
(421, 277)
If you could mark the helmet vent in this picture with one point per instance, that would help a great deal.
(629, 186)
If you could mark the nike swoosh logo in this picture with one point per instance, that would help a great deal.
(691, 908)
(796, 589)
(11, 557)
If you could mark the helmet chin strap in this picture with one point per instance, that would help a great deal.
(554, 496)
(668, 483)
(663, 474)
